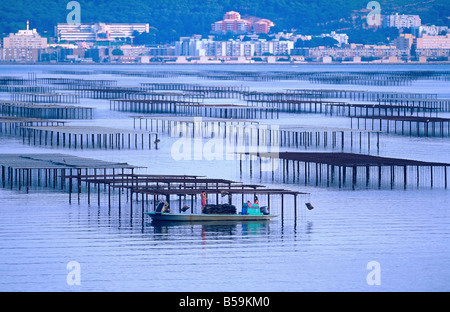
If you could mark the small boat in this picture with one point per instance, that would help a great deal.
(248, 214)
(190, 217)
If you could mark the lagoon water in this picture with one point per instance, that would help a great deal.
(326, 249)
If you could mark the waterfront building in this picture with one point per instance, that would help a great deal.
(208, 47)
(26, 38)
(19, 54)
(433, 42)
(404, 41)
(23, 46)
(351, 51)
(433, 46)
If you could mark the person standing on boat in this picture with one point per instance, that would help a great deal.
(166, 208)
(256, 200)
(204, 199)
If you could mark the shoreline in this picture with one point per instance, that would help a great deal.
(225, 64)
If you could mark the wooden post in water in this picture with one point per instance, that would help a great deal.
(445, 176)
(295, 207)
(405, 169)
(432, 181)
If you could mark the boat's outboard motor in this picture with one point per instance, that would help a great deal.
(264, 210)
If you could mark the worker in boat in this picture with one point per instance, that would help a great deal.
(263, 209)
(204, 199)
(166, 208)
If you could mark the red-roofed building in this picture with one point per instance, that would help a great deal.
(232, 15)
(233, 23)
(262, 26)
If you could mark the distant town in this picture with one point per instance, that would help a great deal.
(231, 40)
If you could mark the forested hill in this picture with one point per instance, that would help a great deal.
(174, 18)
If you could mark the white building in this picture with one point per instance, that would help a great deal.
(208, 47)
(352, 50)
(432, 30)
(27, 38)
(401, 21)
(433, 42)
(433, 46)
(98, 31)
(341, 38)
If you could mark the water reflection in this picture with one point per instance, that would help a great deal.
(214, 228)
(309, 227)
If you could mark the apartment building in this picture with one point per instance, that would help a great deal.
(401, 21)
(404, 41)
(98, 31)
(433, 42)
(233, 23)
(23, 46)
(26, 38)
(431, 30)
(433, 46)
(353, 50)
(19, 54)
(208, 47)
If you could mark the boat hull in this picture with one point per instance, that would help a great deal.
(186, 217)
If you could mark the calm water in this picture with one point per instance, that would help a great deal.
(406, 231)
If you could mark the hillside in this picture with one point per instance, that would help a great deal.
(174, 18)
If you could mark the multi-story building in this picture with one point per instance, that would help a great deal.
(23, 46)
(233, 23)
(433, 46)
(341, 38)
(134, 51)
(432, 30)
(27, 38)
(433, 42)
(19, 54)
(262, 26)
(401, 21)
(165, 50)
(353, 50)
(232, 15)
(187, 46)
(208, 47)
(273, 47)
(98, 31)
(404, 41)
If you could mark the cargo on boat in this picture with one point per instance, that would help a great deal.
(213, 213)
